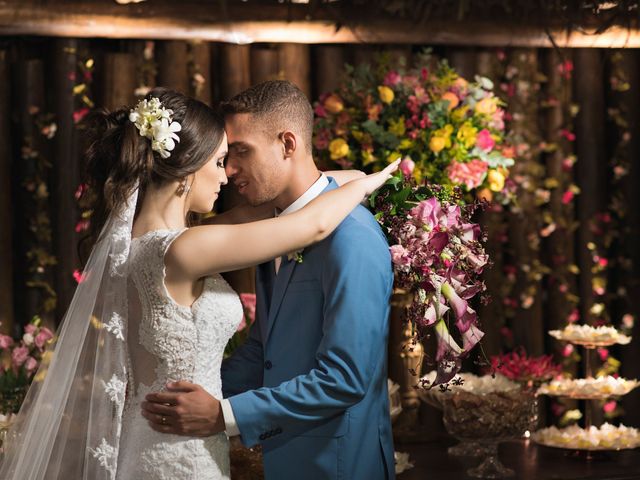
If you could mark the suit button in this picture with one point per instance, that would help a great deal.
(268, 364)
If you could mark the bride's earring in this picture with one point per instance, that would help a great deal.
(183, 188)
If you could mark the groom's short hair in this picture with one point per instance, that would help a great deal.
(278, 105)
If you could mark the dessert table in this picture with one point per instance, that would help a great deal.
(530, 462)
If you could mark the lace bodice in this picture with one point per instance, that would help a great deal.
(169, 342)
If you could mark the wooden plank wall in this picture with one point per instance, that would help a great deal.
(215, 71)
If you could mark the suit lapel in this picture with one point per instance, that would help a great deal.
(264, 288)
(279, 289)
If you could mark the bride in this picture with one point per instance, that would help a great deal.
(151, 306)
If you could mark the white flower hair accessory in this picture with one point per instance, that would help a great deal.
(153, 121)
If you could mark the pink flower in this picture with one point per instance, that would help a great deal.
(427, 212)
(80, 190)
(399, 255)
(392, 78)
(567, 197)
(567, 134)
(321, 140)
(249, 303)
(603, 353)
(78, 115)
(30, 328)
(19, 356)
(82, 226)
(567, 350)
(574, 316)
(43, 336)
(470, 174)
(78, 276)
(31, 364)
(320, 110)
(484, 140)
(5, 341)
(407, 166)
(609, 407)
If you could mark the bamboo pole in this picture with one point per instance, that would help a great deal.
(630, 354)
(119, 80)
(264, 64)
(6, 211)
(328, 67)
(172, 65)
(30, 98)
(234, 70)
(559, 247)
(294, 65)
(591, 169)
(65, 172)
(200, 71)
(528, 326)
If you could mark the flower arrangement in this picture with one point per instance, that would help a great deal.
(20, 361)
(438, 258)
(451, 130)
(525, 370)
(249, 315)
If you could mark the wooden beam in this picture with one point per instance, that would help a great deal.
(242, 25)
(6, 215)
(264, 64)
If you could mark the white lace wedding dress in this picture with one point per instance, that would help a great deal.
(170, 342)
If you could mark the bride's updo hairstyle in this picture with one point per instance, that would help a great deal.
(119, 157)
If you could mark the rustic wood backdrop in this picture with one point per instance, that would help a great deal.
(39, 77)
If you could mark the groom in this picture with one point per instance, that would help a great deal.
(310, 383)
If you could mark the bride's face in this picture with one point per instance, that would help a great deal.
(207, 181)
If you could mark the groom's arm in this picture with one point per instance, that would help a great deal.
(357, 284)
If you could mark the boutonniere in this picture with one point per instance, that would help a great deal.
(297, 256)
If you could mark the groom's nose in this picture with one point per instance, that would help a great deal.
(230, 169)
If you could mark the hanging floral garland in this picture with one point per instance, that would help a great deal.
(40, 258)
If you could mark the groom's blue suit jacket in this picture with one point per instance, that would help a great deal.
(310, 383)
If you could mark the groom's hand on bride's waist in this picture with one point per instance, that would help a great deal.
(184, 409)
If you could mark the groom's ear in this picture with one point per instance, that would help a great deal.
(289, 143)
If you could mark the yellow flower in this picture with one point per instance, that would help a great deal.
(467, 135)
(333, 104)
(367, 158)
(386, 94)
(453, 100)
(437, 144)
(487, 106)
(397, 127)
(418, 174)
(496, 180)
(405, 144)
(339, 148)
(459, 113)
(393, 156)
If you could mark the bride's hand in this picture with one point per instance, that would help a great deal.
(375, 180)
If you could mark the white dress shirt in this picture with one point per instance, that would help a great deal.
(231, 426)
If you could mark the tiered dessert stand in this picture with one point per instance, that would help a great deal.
(590, 438)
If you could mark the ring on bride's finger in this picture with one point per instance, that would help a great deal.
(163, 420)
(167, 404)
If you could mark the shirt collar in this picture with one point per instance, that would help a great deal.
(314, 190)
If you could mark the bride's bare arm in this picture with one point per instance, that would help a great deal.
(207, 249)
(246, 213)
(344, 176)
(241, 214)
